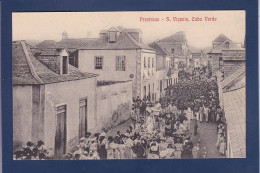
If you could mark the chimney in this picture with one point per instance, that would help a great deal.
(103, 35)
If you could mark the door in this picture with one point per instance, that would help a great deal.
(83, 118)
(60, 137)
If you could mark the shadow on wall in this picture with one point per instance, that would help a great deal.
(119, 116)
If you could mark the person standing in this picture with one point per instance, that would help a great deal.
(206, 112)
(178, 149)
(195, 128)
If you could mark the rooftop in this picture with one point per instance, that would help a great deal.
(234, 101)
(28, 70)
(235, 113)
(220, 39)
(159, 49)
(179, 37)
(124, 41)
(238, 77)
(221, 46)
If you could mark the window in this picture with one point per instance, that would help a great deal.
(227, 45)
(172, 50)
(98, 62)
(144, 61)
(64, 65)
(148, 62)
(74, 61)
(152, 63)
(112, 36)
(120, 63)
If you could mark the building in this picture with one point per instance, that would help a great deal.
(176, 45)
(197, 58)
(232, 93)
(119, 55)
(70, 44)
(52, 100)
(215, 54)
(164, 71)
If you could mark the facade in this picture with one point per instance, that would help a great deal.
(52, 100)
(196, 57)
(177, 46)
(164, 70)
(69, 44)
(215, 60)
(232, 95)
(120, 55)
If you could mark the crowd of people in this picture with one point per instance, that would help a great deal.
(162, 131)
(157, 131)
(30, 151)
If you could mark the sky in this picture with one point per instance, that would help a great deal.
(49, 25)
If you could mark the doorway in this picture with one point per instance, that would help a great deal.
(61, 133)
(83, 123)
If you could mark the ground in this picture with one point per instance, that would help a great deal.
(207, 133)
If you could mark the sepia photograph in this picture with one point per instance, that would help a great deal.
(129, 85)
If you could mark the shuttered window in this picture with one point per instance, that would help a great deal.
(120, 63)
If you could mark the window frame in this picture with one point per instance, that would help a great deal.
(95, 62)
(227, 45)
(119, 65)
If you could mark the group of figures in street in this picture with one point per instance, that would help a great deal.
(162, 130)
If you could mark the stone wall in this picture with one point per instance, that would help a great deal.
(114, 104)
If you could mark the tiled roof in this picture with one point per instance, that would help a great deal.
(221, 38)
(47, 52)
(124, 41)
(177, 37)
(233, 77)
(21, 69)
(221, 47)
(34, 72)
(47, 44)
(235, 113)
(76, 43)
(158, 49)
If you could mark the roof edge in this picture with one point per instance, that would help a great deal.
(30, 63)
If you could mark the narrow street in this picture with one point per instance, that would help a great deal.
(207, 134)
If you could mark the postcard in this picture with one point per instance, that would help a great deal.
(129, 85)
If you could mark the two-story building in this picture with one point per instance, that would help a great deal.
(120, 55)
